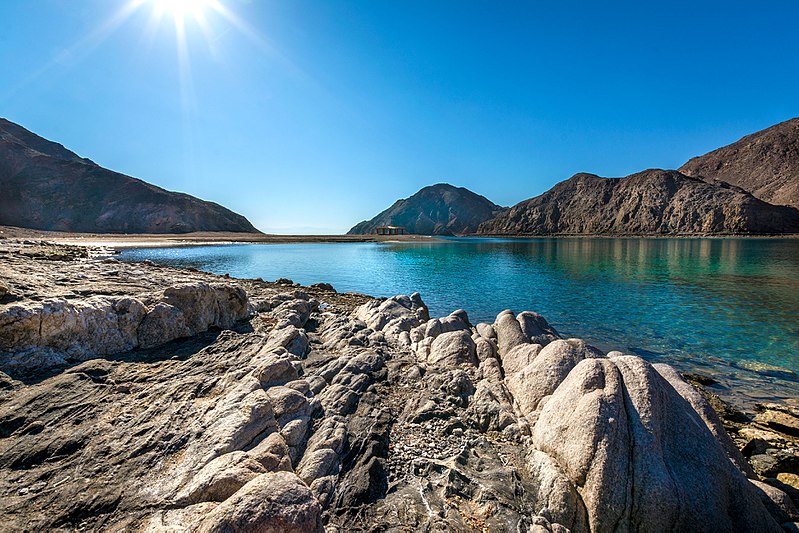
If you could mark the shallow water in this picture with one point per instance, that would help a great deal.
(716, 306)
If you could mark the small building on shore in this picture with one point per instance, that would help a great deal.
(390, 230)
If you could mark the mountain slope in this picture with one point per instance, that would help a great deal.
(651, 202)
(440, 209)
(45, 186)
(765, 163)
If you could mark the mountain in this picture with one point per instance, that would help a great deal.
(45, 186)
(656, 202)
(440, 209)
(765, 164)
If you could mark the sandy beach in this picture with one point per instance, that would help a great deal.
(119, 240)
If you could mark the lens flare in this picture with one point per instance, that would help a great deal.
(180, 9)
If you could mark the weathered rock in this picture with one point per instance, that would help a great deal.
(163, 323)
(778, 504)
(293, 339)
(541, 377)
(519, 357)
(619, 419)
(381, 437)
(484, 349)
(318, 463)
(779, 421)
(272, 453)
(275, 369)
(287, 404)
(486, 330)
(101, 325)
(452, 349)
(277, 502)
(709, 417)
(536, 328)
(509, 332)
(491, 407)
(221, 478)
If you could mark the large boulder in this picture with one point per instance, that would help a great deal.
(544, 374)
(453, 348)
(509, 332)
(639, 455)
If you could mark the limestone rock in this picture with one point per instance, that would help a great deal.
(619, 419)
(277, 502)
(163, 323)
(221, 478)
(452, 349)
(541, 377)
(509, 332)
(536, 328)
(275, 369)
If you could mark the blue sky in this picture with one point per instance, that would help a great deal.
(309, 116)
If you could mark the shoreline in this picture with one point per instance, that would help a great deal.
(168, 240)
(294, 368)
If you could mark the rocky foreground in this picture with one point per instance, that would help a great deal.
(139, 397)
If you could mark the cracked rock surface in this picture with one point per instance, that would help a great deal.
(262, 406)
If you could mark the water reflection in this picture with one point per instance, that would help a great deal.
(713, 304)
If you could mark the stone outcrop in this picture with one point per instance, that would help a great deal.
(336, 412)
(60, 330)
(765, 163)
(439, 209)
(45, 186)
(653, 202)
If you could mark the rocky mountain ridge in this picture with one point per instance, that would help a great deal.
(440, 209)
(765, 163)
(45, 186)
(324, 411)
(652, 202)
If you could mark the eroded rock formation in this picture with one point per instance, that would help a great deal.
(340, 412)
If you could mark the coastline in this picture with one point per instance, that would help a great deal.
(167, 240)
(314, 324)
(121, 241)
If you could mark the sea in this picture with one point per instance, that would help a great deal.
(726, 308)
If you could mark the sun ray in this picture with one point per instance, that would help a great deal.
(78, 51)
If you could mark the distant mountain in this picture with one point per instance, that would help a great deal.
(45, 186)
(653, 202)
(765, 163)
(440, 209)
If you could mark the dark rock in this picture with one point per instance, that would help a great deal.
(45, 186)
(435, 210)
(765, 163)
(653, 202)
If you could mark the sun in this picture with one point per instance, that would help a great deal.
(182, 9)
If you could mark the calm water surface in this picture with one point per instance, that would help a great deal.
(723, 307)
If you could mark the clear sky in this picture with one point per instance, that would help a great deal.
(309, 116)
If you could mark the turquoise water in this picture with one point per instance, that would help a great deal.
(716, 306)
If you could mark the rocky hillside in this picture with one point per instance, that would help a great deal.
(212, 404)
(765, 164)
(45, 186)
(435, 210)
(653, 202)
